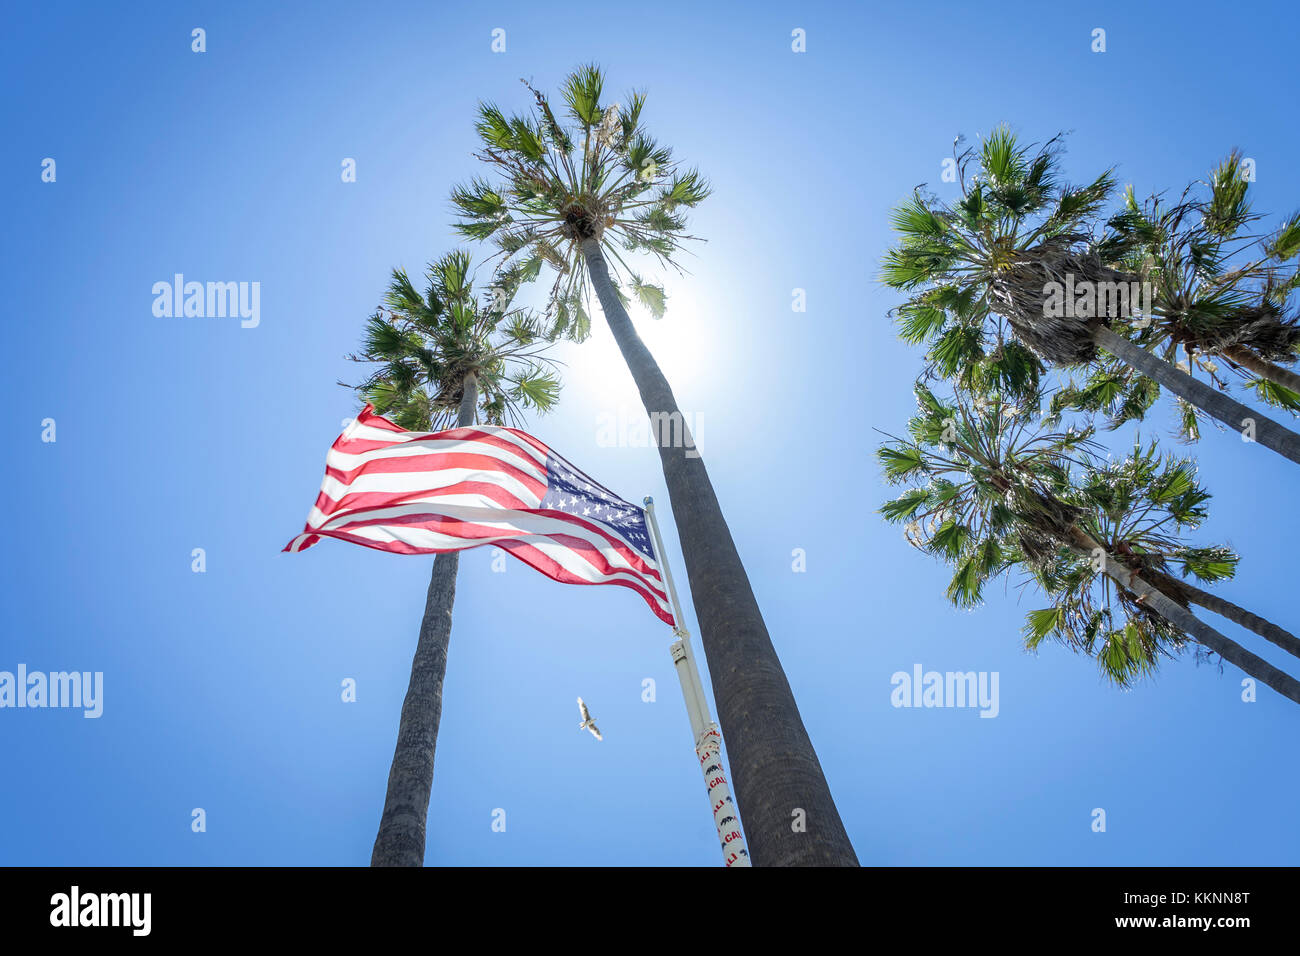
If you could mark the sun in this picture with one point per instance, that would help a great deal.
(596, 374)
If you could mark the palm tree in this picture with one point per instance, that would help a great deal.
(988, 274)
(1136, 509)
(1219, 294)
(443, 359)
(1221, 290)
(576, 196)
(990, 493)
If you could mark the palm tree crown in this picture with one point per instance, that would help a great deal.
(593, 174)
(1219, 292)
(982, 262)
(984, 484)
(427, 344)
(991, 492)
(1137, 511)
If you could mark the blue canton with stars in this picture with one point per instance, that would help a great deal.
(572, 492)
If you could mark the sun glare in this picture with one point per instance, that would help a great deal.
(595, 370)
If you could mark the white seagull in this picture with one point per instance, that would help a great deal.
(587, 722)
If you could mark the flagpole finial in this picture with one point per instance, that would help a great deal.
(647, 501)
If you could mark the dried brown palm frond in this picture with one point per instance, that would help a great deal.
(1021, 291)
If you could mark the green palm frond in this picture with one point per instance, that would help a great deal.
(582, 92)
(652, 297)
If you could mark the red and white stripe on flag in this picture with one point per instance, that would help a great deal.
(433, 492)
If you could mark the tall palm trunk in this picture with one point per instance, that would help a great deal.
(1189, 623)
(785, 804)
(1210, 400)
(1239, 615)
(1264, 369)
(400, 841)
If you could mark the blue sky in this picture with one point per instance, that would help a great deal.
(222, 689)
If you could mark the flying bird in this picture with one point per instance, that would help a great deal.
(587, 722)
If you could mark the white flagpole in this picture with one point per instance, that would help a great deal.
(707, 737)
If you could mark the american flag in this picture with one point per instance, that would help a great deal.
(431, 492)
